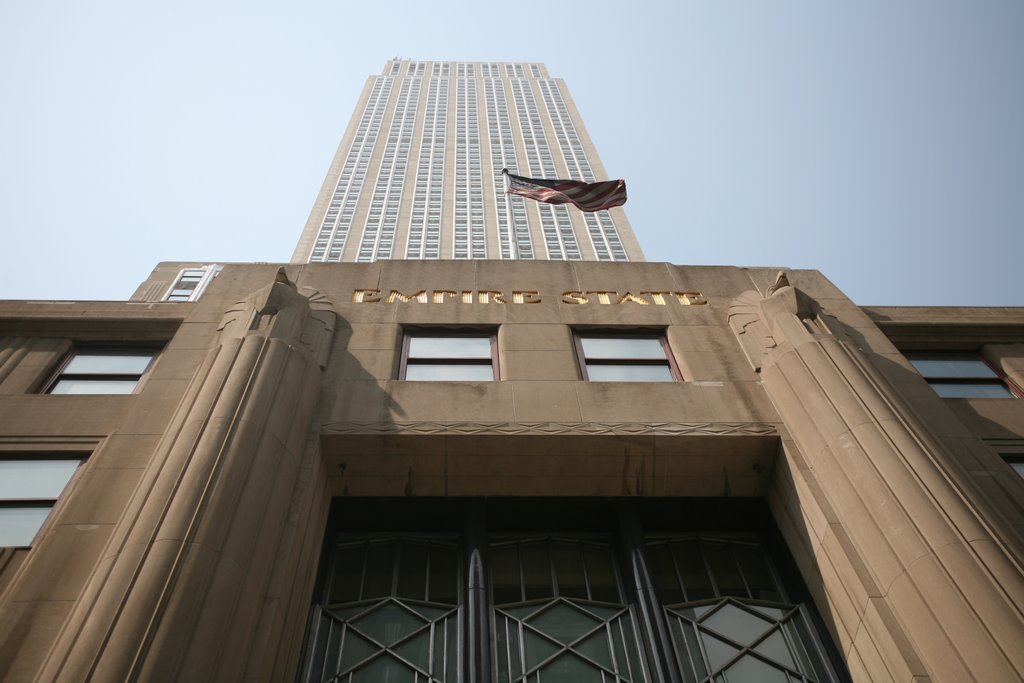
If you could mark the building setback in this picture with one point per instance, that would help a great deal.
(459, 466)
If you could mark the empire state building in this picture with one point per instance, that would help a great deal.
(418, 172)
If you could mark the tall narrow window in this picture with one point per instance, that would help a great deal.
(102, 371)
(389, 612)
(728, 614)
(960, 375)
(560, 613)
(625, 357)
(607, 605)
(29, 488)
(449, 356)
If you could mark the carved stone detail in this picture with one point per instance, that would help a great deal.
(556, 428)
(898, 519)
(186, 568)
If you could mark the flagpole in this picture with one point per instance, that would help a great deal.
(513, 240)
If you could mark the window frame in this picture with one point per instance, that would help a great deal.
(51, 503)
(448, 333)
(101, 349)
(998, 378)
(578, 334)
(206, 275)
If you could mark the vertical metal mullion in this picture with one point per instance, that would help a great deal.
(426, 580)
(670, 547)
(478, 638)
(551, 568)
(586, 574)
(707, 567)
(654, 631)
(396, 567)
(362, 574)
(739, 568)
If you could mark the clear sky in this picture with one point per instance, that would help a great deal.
(880, 142)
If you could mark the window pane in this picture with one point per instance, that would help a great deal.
(663, 574)
(450, 347)
(127, 363)
(629, 373)
(951, 365)
(449, 373)
(692, 569)
(1018, 467)
(569, 570)
(21, 479)
(601, 575)
(348, 574)
(94, 386)
(18, 525)
(624, 347)
(505, 574)
(380, 563)
(724, 570)
(970, 389)
(412, 573)
(536, 571)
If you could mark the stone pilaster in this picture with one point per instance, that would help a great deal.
(184, 580)
(917, 582)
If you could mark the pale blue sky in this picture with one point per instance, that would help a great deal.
(879, 142)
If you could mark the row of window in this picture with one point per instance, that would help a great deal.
(469, 356)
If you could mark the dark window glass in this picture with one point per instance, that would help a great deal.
(556, 610)
(625, 357)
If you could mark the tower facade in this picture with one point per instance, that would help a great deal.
(418, 172)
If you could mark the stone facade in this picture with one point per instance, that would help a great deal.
(187, 544)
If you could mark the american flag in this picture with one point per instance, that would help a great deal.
(587, 196)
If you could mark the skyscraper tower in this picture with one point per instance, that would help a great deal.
(418, 172)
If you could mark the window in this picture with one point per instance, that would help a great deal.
(190, 283)
(29, 488)
(102, 371)
(625, 357)
(537, 606)
(959, 375)
(1017, 464)
(449, 356)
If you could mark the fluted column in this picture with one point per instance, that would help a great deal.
(926, 580)
(178, 592)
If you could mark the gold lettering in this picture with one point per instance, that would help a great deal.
(363, 296)
(467, 296)
(420, 296)
(659, 299)
(525, 296)
(574, 297)
(691, 298)
(439, 295)
(484, 296)
(602, 297)
(629, 297)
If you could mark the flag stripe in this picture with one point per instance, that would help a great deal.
(586, 196)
